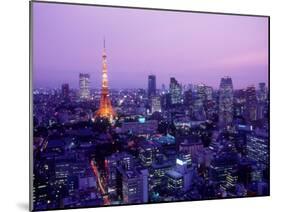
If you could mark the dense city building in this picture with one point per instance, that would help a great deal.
(251, 103)
(131, 146)
(262, 92)
(225, 101)
(151, 91)
(175, 91)
(84, 86)
(155, 104)
(65, 91)
(173, 107)
(257, 149)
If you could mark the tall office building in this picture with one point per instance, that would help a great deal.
(184, 167)
(175, 91)
(84, 86)
(151, 86)
(209, 93)
(201, 95)
(251, 103)
(122, 160)
(163, 89)
(262, 92)
(155, 104)
(147, 153)
(257, 149)
(65, 91)
(262, 103)
(225, 101)
(188, 98)
(198, 103)
(174, 181)
(231, 180)
(239, 102)
(134, 186)
(220, 166)
(166, 100)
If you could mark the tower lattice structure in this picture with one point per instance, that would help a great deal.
(105, 109)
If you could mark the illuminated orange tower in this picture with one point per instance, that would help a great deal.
(105, 110)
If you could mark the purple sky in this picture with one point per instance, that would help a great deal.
(192, 47)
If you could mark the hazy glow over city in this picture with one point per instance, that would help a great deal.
(68, 39)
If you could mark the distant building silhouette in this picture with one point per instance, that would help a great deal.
(65, 91)
(84, 86)
(225, 101)
(175, 91)
(151, 86)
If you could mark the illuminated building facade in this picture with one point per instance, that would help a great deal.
(262, 92)
(84, 86)
(201, 95)
(174, 181)
(251, 103)
(209, 93)
(225, 101)
(112, 166)
(147, 152)
(175, 91)
(135, 186)
(257, 149)
(155, 104)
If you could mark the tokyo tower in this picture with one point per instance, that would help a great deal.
(105, 109)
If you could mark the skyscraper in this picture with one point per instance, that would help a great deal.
(105, 110)
(225, 101)
(209, 93)
(112, 164)
(175, 91)
(163, 89)
(257, 149)
(262, 105)
(251, 103)
(166, 100)
(188, 98)
(262, 92)
(84, 86)
(151, 86)
(201, 94)
(65, 91)
(198, 104)
(134, 186)
(174, 181)
(155, 104)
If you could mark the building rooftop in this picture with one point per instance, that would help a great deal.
(174, 174)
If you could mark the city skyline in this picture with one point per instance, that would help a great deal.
(200, 137)
(230, 50)
(159, 86)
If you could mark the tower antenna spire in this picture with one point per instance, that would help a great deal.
(104, 42)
